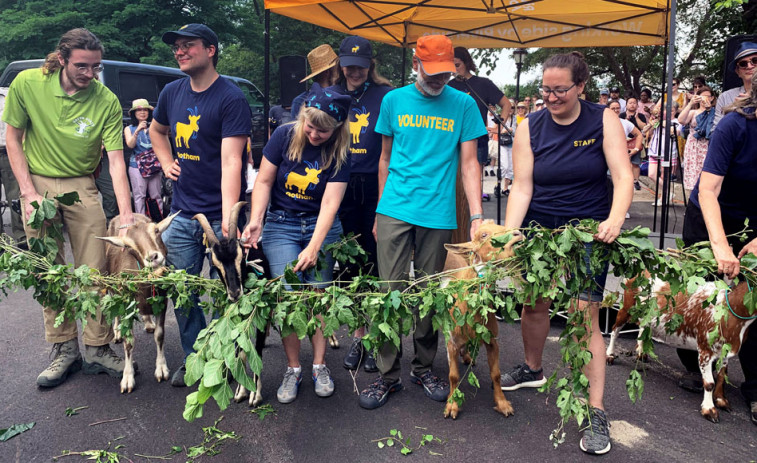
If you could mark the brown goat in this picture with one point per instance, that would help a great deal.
(462, 256)
(693, 331)
(143, 248)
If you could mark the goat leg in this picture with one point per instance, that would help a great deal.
(453, 351)
(117, 338)
(161, 366)
(127, 381)
(708, 409)
(719, 395)
(501, 404)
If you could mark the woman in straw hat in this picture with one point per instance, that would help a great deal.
(303, 175)
(323, 63)
(137, 136)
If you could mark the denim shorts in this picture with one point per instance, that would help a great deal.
(286, 234)
(596, 292)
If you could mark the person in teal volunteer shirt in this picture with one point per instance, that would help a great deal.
(428, 130)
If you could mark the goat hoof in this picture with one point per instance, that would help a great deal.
(711, 414)
(723, 404)
(610, 359)
(162, 374)
(127, 384)
(241, 394)
(333, 342)
(505, 408)
(256, 399)
(451, 411)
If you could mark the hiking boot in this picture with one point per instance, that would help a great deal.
(753, 412)
(324, 385)
(377, 393)
(66, 360)
(521, 376)
(434, 387)
(177, 380)
(102, 359)
(289, 385)
(596, 438)
(354, 354)
(370, 363)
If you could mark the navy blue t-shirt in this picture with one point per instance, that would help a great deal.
(299, 186)
(732, 154)
(570, 169)
(485, 88)
(198, 122)
(365, 146)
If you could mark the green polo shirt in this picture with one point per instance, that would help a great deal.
(64, 133)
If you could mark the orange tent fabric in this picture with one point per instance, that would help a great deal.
(490, 23)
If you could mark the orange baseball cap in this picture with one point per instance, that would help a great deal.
(436, 54)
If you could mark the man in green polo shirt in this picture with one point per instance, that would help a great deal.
(58, 117)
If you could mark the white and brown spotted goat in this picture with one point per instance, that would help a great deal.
(693, 331)
(230, 260)
(463, 256)
(141, 247)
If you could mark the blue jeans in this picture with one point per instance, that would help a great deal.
(596, 292)
(286, 234)
(186, 251)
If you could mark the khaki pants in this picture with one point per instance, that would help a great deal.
(84, 221)
(398, 243)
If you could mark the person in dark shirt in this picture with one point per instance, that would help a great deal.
(483, 91)
(303, 176)
(323, 63)
(278, 116)
(551, 191)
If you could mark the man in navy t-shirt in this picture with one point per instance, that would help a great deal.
(209, 120)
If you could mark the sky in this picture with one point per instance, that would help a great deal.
(505, 70)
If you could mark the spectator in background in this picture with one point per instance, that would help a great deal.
(137, 138)
(538, 105)
(615, 95)
(480, 88)
(698, 114)
(323, 63)
(657, 147)
(278, 116)
(8, 180)
(639, 121)
(521, 112)
(604, 96)
(645, 103)
(743, 64)
(527, 101)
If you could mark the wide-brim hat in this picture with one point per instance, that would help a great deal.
(192, 30)
(140, 103)
(321, 58)
(745, 49)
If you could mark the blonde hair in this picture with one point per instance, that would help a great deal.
(373, 75)
(333, 150)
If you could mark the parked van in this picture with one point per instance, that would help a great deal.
(130, 81)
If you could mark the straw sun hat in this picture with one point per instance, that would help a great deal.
(320, 59)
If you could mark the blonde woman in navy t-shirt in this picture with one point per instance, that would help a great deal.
(560, 160)
(304, 174)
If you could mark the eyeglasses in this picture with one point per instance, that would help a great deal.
(697, 85)
(182, 46)
(558, 92)
(743, 64)
(83, 68)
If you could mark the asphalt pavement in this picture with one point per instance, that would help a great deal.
(664, 425)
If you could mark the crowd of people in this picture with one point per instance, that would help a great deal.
(355, 155)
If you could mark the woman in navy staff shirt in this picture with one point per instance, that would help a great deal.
(304, 174)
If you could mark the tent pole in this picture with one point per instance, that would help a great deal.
(404, 65)
(267, 70)
(666, 184)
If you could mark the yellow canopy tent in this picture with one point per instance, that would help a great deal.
(489, 23)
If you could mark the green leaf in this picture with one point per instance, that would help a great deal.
(380, 444)
(68, 199)
(213, 373)
(472, 380)
(195, 366)
(14, 430)
(390, 442)
(406, 451)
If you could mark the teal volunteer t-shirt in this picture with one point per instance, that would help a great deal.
(427, 133)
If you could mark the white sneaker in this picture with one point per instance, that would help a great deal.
(628, 216)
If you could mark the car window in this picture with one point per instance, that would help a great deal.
(254, 98)
(135, 85)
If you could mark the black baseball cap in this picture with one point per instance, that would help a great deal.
(615, 90)
(192, 30)
(355, 51)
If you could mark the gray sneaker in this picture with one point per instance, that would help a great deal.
(596, 438)
(324, 385)
(66, 360)
(289, 385)
(521, 376)
(177, 380)
(102, 359)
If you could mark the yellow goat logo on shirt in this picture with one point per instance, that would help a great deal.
(300, 182)
(356, 127)
(186, 131)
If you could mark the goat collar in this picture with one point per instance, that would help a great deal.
(749, 288)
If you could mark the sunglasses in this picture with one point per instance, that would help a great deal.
(743, 64)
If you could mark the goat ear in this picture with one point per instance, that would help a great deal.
(461, 248)
(163, 224)
(114, 240)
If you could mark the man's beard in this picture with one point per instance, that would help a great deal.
(426, 88)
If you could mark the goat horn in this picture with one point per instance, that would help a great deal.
(209, 233)
(233, 217)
